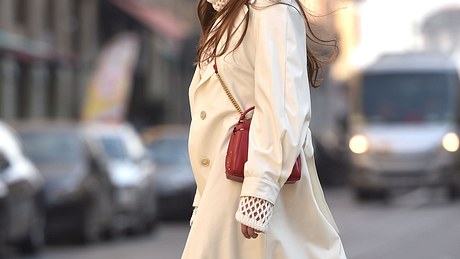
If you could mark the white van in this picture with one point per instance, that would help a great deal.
(403, 124)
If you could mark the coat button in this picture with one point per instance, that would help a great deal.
(203, 115)
(205, 162)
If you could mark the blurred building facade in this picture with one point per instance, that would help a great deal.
(366, 32)
(48, 50)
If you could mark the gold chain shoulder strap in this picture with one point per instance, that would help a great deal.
(226, 90)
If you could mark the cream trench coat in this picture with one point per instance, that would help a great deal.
(267, 70)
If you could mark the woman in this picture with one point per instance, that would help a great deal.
(259, 48)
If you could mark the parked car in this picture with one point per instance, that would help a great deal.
(22, 210)
(404, 124)
(131, 175)
(168, 148)
(77, 190)
(328, 129)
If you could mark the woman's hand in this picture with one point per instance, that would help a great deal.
(255, 212)
(249, 232)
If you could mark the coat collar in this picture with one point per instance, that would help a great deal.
(209, 69)
(208, 72)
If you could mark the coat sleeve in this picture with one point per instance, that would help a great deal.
(282, 100)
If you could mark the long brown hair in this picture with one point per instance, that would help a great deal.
(226, 18)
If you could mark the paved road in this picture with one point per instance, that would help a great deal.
(165, 243)
(417, 225)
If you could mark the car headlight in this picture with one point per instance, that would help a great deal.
(359, 144)
(450, 142)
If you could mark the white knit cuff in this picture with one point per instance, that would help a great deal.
(254, 212)
(192, 218)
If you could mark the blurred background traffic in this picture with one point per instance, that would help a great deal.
(94, 114)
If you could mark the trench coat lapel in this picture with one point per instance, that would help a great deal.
(208, 72)
(198, 80)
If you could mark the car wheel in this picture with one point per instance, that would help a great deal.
(35, 237)
(137, 225)
(3, 233)
(152, 224)
(452, 193)
(368, 195)
(147, 224)
(150, 217)
(90, 231)
(3, 254)
(3, 250)
(110, 232)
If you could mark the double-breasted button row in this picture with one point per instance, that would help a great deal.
(203, 115)
(205, 162)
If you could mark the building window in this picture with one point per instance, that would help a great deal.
(21, 12)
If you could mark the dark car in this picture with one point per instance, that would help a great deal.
(168, 148)
(3, 212)
(77, 188)
(21, 204)
(131, 174)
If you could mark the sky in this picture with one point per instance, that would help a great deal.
(391, 26)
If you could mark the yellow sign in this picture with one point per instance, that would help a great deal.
(110, 86)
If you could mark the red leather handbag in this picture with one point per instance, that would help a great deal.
(237, 151)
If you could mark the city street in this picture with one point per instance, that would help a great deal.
(420, 224)
(102, 100)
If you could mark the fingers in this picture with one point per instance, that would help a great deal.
(244, 230)
(249, 232)
(252, 233)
